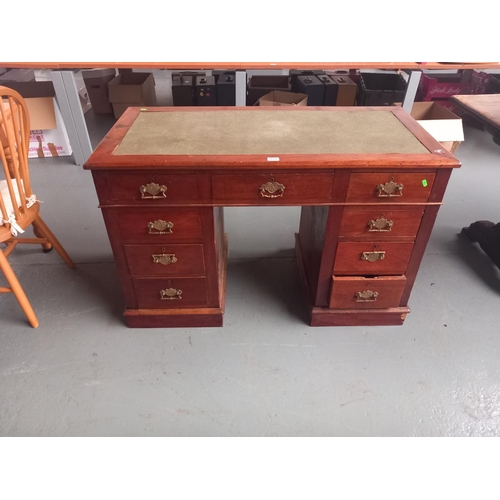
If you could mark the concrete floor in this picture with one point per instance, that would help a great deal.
(266, 372)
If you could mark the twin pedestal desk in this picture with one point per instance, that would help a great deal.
(369, 180)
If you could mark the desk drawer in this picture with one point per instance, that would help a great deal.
(390, 187)
(161, 293)
(272, 189)
(164, 225)
(167, 260)
(152, 188)
(379, 292)
(382, 223)
(372, 258)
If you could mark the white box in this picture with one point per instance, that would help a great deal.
(445, 126)
(50, 142)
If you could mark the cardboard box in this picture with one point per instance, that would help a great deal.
(282, 98)
(96, 82)
(131, 89)
(441, 123)
(443, 85)
(47, 142)
(84, 99)
(39, 98)
(260, 85)
(48, 135)
(18, 75)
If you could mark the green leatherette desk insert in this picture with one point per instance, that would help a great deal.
(369, 180)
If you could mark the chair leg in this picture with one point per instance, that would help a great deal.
(18, 291)
(39, 225)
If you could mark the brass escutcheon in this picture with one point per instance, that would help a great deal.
(160, 227)
(272, 189)
(170, 294)
(366, 296)
(390, 189)
(152, 191)
(164, 258)
(372, 256)
(380, 225)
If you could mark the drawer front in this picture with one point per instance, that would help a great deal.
(352, 292)
(159, 225)
(161, 293)
(272, 189)
(150, 188)
(381, 223)
(167, 260)
(372, 258)
(390, 187)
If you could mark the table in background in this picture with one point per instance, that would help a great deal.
(485, 109)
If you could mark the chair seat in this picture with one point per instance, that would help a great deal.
(4, 193)
(27, 217)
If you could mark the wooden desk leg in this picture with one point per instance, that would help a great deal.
(487, 234)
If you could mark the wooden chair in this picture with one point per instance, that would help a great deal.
(19, 207)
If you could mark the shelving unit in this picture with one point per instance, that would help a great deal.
(67, 91)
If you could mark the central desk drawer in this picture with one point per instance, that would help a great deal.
(157, 225)
(390, 187)
(161, 293)
(167, 260)
(272, 189)
(152, 187)
(372, 258)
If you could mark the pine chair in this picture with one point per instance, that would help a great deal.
(19, 207)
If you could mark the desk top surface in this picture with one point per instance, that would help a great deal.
(268, 132)
(255, 136)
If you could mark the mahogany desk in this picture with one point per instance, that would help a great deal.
(369, 180)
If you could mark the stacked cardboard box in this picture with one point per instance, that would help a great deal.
(439, 87)
(96, 82)
(131, 89)
(48, 136)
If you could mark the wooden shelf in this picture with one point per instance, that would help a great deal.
(253, 65)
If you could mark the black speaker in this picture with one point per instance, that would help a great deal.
(331, 90)
(313, 88)
(205, 92)
(294, 73)
(182, 90)
(226, 89)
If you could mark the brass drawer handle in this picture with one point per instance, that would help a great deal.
(372, 256)
(390, 189)
(170, 294)
(272, 189)
(366, 296)
(164, 258)
(152, 191)
(380, 225)
(160, 227)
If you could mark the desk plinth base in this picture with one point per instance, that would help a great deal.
(177, 318)
(324, 316)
